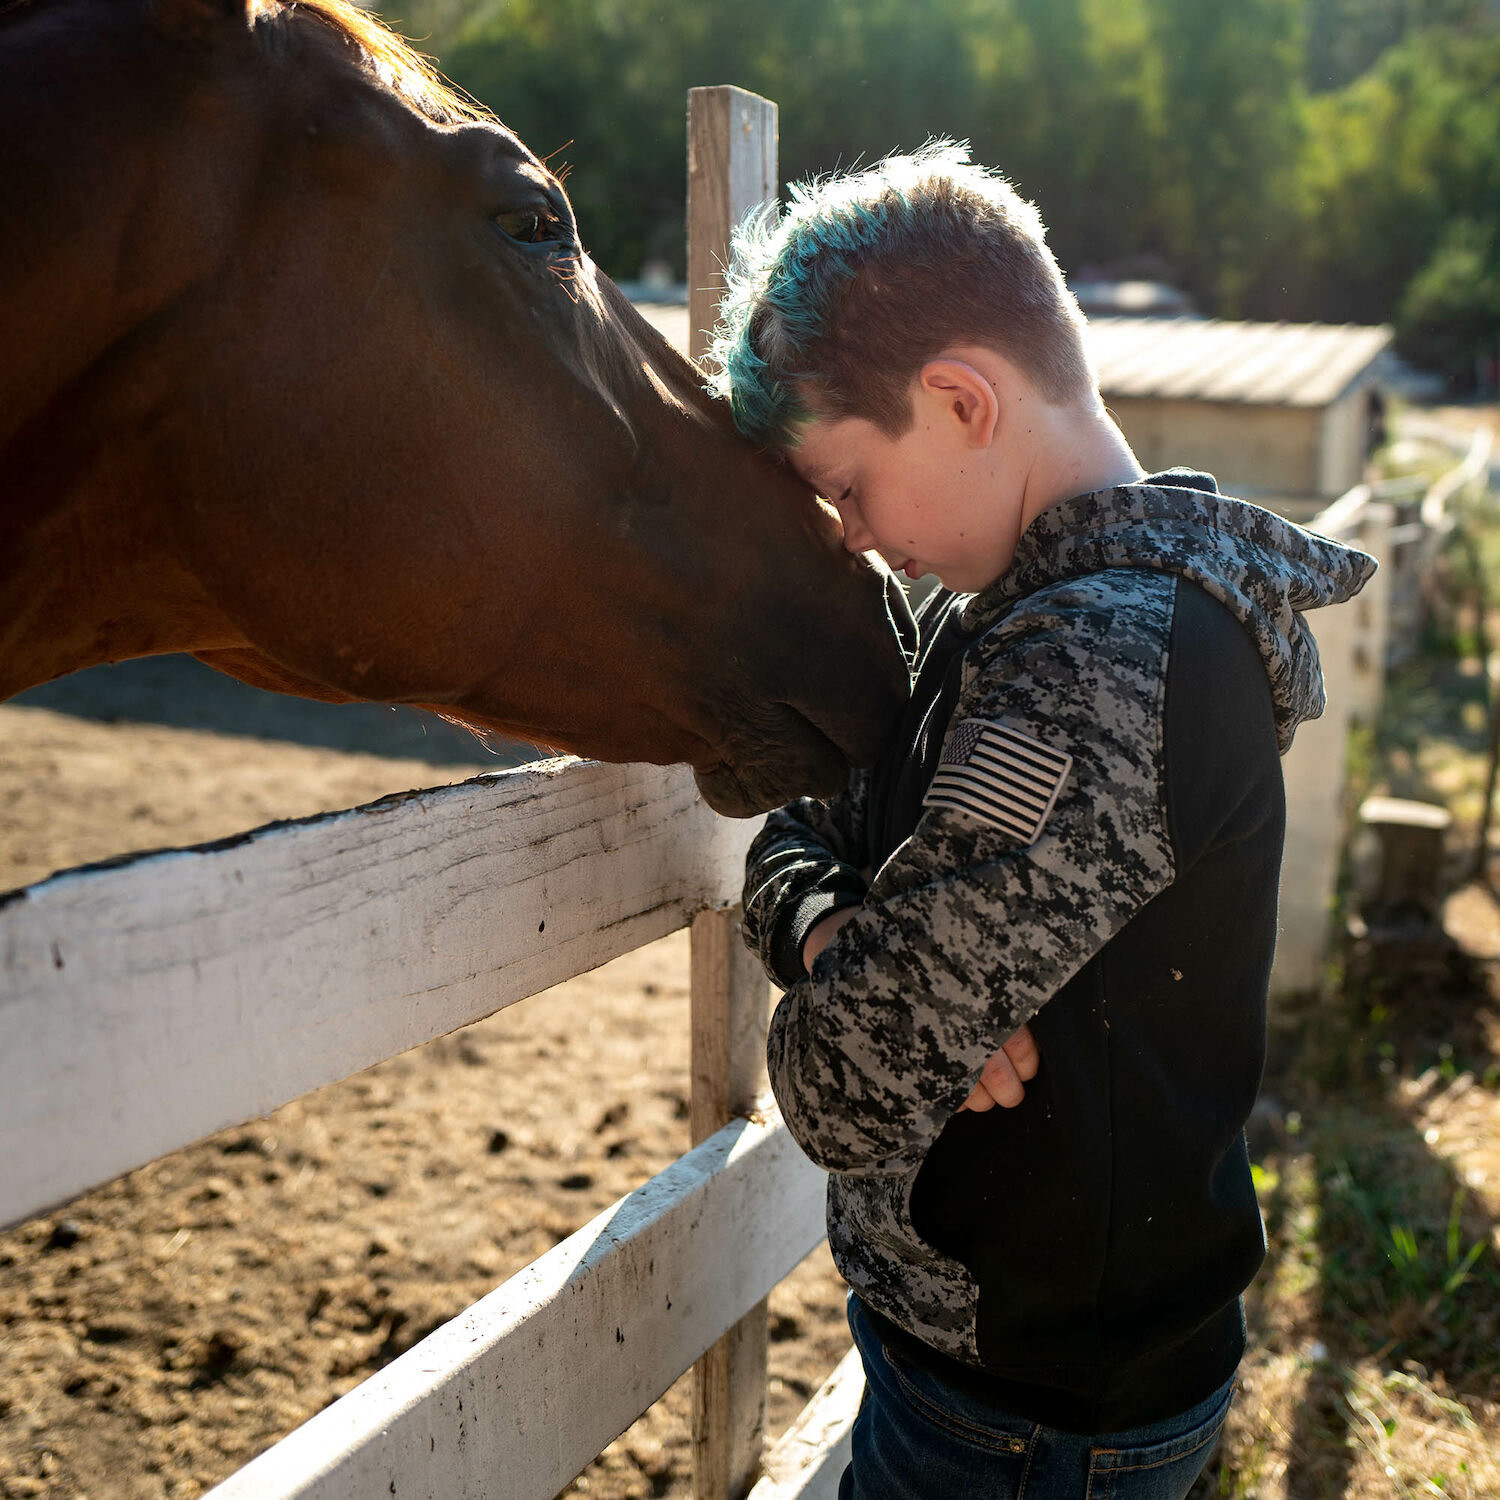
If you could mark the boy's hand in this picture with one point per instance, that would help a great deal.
(1005, 1074)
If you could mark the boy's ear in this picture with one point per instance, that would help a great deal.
(964, 393)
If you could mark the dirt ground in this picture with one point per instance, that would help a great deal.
(162, 1330)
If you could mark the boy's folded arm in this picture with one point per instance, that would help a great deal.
(804, 864)
(968, 930)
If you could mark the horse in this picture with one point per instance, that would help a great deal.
(307, 373)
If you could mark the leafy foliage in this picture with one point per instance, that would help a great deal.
(1450, 313)
(1346, 37)
(1278, 158)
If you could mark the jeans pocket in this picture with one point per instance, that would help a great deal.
(1160, 1470)
(957, 1414)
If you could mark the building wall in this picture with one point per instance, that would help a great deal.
(1345, 431)
(1351, 641)
(1251, 450)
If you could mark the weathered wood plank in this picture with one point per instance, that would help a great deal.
(729, 1409)
(731, 1012)
(731, 1009)
(519, 1393)
(810, 1457)
(146, 1005)
(731, 170)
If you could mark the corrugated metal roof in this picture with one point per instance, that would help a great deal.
(1261, 364)
(1198, 359)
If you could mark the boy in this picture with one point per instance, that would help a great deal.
(1078, 825)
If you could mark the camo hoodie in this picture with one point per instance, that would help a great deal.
(1079, 826)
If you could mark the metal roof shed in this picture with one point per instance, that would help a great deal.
(1281, 413)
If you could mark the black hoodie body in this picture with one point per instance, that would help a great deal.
(1078, 826)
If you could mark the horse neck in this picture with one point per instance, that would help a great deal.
(92, 578)
(88, 568)
(99, 238)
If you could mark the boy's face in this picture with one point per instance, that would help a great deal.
(927, 501)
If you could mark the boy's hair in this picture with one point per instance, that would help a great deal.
(833, 308)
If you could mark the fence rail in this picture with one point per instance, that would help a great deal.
(149, 1004)
(150, 1001)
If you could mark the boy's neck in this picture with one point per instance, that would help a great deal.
(1080, 450)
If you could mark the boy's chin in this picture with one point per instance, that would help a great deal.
(959, 580)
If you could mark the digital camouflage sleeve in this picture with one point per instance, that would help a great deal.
(968, 928)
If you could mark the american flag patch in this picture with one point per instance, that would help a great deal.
(999, 775)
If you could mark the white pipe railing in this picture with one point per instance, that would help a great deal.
(1356, 642)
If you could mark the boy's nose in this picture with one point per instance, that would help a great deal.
(857, 536)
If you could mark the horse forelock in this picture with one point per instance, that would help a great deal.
(391, 59)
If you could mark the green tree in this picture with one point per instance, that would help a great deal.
(1345, 38)
(1392, 161)
(1230, 134)
(1450, 314)
(1065, 105)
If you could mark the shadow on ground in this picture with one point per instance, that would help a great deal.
(181, 693)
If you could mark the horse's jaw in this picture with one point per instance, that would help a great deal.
(733, 797)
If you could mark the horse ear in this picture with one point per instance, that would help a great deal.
(199, 20)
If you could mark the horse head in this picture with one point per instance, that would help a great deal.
(315, 380)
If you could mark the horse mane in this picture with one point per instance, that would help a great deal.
(392, 59)
(388, 55)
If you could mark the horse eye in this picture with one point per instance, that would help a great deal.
(528, 227)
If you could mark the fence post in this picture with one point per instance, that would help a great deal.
(731, 170)
(731, 1003)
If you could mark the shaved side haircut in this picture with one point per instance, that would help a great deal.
(833, 307)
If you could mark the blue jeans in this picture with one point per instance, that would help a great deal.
(918, 1438)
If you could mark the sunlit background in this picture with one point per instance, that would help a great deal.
(1317, 160)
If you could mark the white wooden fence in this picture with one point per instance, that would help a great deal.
(148, 1003)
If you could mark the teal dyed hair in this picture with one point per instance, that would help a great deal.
(831, 308)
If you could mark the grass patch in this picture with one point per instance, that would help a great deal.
(1403, 1270)
(1374, 1367)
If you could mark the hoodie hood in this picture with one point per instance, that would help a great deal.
(1262, 568)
